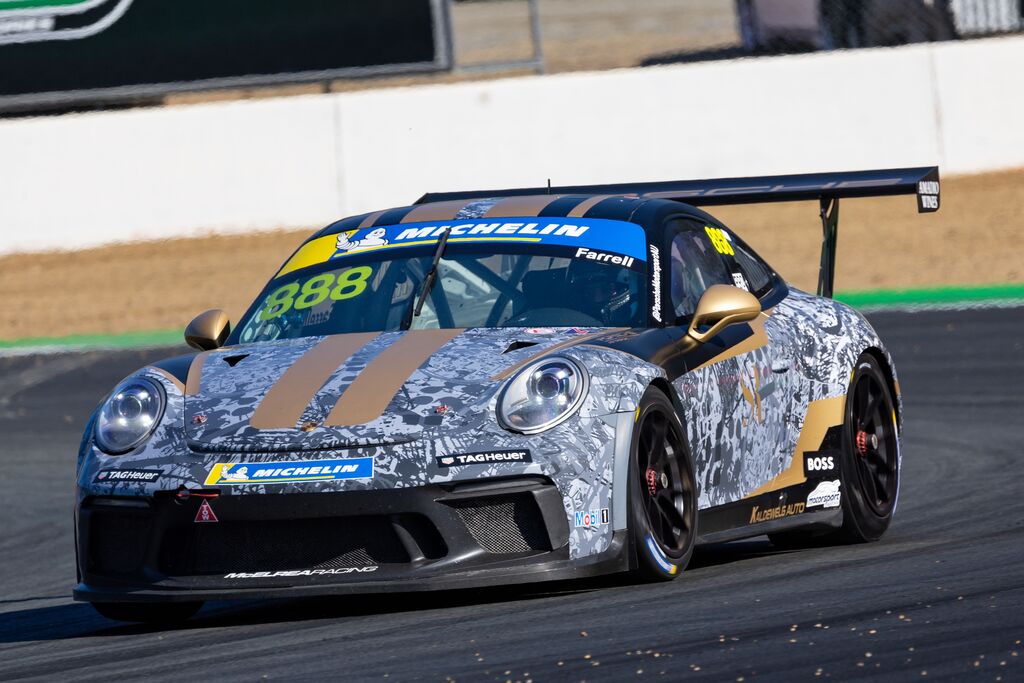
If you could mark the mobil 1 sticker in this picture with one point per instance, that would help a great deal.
(483, 458)
(821, 462)
(106, 476)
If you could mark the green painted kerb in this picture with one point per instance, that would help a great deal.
(936, 296)
(36, 4)
(125, 340)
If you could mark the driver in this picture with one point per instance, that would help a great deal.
(602, 291)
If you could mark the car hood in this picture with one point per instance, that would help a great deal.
(320, 393)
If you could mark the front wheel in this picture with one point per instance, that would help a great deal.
(662, 491)
(148, 612)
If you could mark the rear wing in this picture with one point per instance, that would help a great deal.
(827, 188)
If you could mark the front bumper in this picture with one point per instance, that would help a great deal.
(440, 536)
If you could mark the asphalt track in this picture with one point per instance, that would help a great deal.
(941, 596)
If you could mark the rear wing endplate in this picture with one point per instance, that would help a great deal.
(826, 188)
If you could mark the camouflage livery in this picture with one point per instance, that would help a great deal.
(360, 434)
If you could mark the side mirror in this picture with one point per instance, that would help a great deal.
(208, 331)
(719, 307)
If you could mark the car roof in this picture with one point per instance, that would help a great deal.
(645, 212)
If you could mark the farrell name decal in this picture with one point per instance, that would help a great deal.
(484, 458)
(238, 474)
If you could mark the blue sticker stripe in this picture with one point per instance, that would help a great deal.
(616, 237)
(247, 473)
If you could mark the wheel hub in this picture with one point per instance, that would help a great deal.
(652, 481)
(865, 442)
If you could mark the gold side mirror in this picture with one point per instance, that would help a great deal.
(208, 331)
(719, 307)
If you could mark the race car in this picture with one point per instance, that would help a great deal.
(498, 387)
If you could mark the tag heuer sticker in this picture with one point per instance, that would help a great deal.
(483, 458)
(146, 476)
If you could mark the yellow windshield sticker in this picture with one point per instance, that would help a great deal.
(310, 254)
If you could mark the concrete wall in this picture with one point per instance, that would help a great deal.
(81, 180)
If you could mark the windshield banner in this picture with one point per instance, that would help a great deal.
(596, 239)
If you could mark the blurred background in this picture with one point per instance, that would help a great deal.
(158, 159)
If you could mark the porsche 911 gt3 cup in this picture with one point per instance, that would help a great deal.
(498, 387)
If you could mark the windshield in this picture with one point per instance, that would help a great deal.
(591, 274)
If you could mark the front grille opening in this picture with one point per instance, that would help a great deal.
(277, 545)
(504, 524)
(117, 543)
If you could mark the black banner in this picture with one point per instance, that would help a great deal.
(63, 51)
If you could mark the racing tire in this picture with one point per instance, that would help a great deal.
(662, 491)
(871, 455)
(869, 463)
(148, 612)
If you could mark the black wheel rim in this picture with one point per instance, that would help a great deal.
(666, 484)
(873, 438)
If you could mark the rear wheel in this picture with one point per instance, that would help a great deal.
(148, 612)
(869, 463)
(871, 455)
(662, 491)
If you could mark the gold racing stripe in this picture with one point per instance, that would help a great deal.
(195, 373)
(751, 343)
(520, 206)
(581, 339)
(438, 211)
(821, 415)
(169, 377)
(370, 220)
(368, 396)
(285, 401)
(587, 204)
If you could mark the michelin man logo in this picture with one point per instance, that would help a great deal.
(233, 474)
(374, 239)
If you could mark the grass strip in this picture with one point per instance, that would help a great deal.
(875, 299)
(932, 296)
(124, 340)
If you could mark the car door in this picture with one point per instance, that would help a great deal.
(733, 402)
(783, 392)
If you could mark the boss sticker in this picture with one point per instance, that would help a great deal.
(818, 462)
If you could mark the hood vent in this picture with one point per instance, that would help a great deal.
(518, 344)
(234, 360)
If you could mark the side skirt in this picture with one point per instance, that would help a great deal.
(781, 510)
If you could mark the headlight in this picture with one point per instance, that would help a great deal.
(130, 415)
(542, 395)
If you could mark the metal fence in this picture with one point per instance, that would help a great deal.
(787, 25)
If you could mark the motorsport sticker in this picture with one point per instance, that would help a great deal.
(147, 476)
(238, 474)
(30, 21)
(614, 239)
(483, 458)
(592, 518)
(826, 494)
